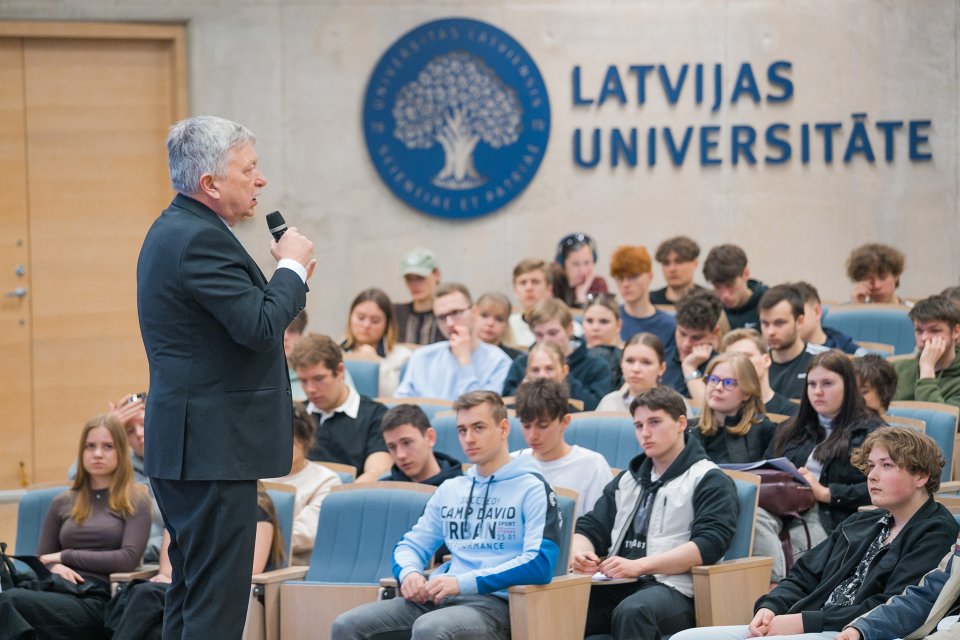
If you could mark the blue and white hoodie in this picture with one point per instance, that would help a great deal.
(502, 530)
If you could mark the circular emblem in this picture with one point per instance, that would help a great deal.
(456, 118)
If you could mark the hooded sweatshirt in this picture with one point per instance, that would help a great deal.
(944, 387)
(592, 372)
(747, 315)
(502, 530)
(450, 467)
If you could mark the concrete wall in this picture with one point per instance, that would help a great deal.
(295, 72)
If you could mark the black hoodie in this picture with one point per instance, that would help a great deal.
(449, 468)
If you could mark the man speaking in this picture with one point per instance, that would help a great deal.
(219, 413)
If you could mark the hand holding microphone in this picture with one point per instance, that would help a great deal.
(288, 243)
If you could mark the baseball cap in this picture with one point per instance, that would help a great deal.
(419, 262)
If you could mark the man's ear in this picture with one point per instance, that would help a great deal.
(208, 186)
(431, 436)
(746, 273)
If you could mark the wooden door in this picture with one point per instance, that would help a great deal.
(96, 103)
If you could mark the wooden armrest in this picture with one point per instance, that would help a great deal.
(280, 575)
(389, 583)
(560, 582)
(950, 487)
(143, 573)
(740, 564)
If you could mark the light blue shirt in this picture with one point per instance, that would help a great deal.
(433, 372)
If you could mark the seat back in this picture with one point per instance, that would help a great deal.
(612, 435)
(430, 406)
(359, 526)
(448, 441)
(283, 497)
(941, 421)
(31, 513)
(748, 496)
(567, 503)
(887, 324)
(365, 374)
(347, 472)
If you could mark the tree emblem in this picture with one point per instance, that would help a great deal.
(457, 101)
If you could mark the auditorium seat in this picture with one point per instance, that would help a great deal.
(887, 324)
(365, 373)
(609, 433)
(941, 425)
(430, 406)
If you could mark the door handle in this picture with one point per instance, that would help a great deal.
(19, 292)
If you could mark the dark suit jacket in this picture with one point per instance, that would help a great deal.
(220, 406)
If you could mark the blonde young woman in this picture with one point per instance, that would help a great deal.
(98, 527)
(372, 330)
(732, 426)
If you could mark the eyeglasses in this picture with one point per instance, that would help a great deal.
(728, 383)
(452, 315)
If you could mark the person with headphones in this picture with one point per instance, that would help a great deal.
(574, 276)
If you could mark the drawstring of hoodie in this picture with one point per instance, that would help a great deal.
(483, 508)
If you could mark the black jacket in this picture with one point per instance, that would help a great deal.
(916, 550)
(847, 484)
(450, 467)
(592, 372)
(724, 448)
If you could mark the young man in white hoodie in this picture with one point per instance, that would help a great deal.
(502, 526)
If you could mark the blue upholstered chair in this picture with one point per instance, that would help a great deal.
(430, 406)
(449, 443)
(365, 373)
(358, 528)
(941, 421)
(610, 434)
(31, 513)
(887, 324)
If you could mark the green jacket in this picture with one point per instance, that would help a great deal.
(945, 387)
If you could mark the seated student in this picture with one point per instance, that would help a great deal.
(726, 270)
(493, 310)
(601, 324)
(291, 336)
(552, 322)
(671, 489)
(545, 361)
(678, 259)
(573, 275)
(876, 380)
(372, 330)
(542, 410)
(531, 284)
(751, 344)
(137, 613)
(831, 422)
(732, 426)
(782, 321)
(410, 440)
(460, 363)
(953, 293)
(313, 482)
(492, 549)
(698, 330)
(813, 331)
(875, 271)
(870, 557)
(632, 271)
(99, 526)
(416, 323)
(934, 375)
(348, 424)
(643, 364)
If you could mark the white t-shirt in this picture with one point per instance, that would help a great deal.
(582, 470)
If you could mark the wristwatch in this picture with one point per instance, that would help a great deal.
(693, 376)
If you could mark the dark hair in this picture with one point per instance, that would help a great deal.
(405, 414)
(574, 242)
(473, 399)
(936, 309)
(304, 427)
(314, 349)
(699, 309)
(606, 300)
(277, 550)
(807, 291)
(529, 265)
(725, 263)
(447, 288)
(299, 322)
(648, 340)
(807, 421)
(911, 450)
(382, 300)
(874, 258)
(686, 249)
(541, 400)
(875, 371)
(783, 292)
(660, 399)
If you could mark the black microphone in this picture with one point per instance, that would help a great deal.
(276, 224)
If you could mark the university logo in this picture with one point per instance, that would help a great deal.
(456, 118)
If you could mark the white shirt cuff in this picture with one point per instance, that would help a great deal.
(293, 265)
